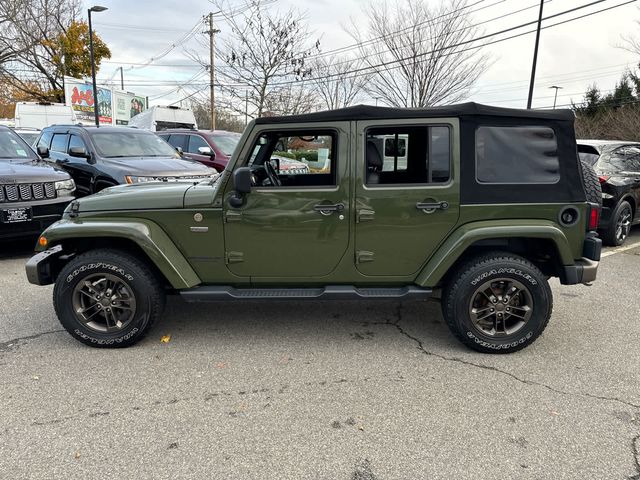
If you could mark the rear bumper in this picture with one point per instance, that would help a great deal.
(40, 267)
(585, 269)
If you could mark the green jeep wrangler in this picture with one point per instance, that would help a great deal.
(482, 204)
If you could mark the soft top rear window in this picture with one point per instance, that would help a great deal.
(516, 155)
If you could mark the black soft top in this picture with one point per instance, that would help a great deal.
(368, 112)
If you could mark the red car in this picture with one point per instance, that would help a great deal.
(211, 147)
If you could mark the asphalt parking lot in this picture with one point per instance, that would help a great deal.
(323, 390)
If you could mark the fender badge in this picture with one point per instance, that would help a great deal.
(197, 217)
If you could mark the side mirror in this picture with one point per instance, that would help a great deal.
(43, 152)
(207, 151)
(79, 152)
(242, 186)
(179, 150)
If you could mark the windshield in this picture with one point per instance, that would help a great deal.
(589, 158)
(227, 142)
(13, 147)
(29, 137)
(131, 143)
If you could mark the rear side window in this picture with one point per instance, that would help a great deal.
(408, 155)
(59, 142)
(527, 154)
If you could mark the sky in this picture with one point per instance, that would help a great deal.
(573, 55)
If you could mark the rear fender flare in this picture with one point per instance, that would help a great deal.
(462, 238)
(146, 234)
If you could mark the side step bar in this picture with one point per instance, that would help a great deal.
(331, 292)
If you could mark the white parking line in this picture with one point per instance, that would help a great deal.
(621, 249)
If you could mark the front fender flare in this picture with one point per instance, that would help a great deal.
(146, 234)
(463, 237)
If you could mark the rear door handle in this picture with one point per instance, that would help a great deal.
(430, 207)
(328, 209)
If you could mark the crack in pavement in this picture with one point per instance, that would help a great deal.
(4, 346)
(422, 348)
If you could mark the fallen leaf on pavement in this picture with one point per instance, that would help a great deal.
(77, 455)
(165, 339)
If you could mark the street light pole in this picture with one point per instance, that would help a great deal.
(535, 57)
(555, 98)
(96, 112)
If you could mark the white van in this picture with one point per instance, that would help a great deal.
(159, 118)
(43, 114)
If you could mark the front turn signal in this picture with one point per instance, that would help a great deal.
(42, 241)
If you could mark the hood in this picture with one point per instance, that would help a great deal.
(29, 171)
(149, 196)
(158, 167)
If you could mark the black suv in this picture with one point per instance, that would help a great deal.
(101, 157)
(617, 164)
(33, 194)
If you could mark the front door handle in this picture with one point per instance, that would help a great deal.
(328, 209)
(430, 207)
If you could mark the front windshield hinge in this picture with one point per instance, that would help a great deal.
(74, 209)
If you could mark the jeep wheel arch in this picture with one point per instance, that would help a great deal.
(159, 249)
(467, 236)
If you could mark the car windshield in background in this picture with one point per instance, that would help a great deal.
(13, 147)
(29, 137)
(227, 143)
(131, 144)
(589, 158)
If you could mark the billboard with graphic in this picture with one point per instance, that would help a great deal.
(126, 106)
(115, 107)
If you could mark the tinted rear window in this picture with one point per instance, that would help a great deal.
(527, 154)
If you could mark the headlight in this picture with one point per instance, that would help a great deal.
(135, 179)
(65, 187)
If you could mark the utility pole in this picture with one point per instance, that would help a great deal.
(556, 95)
(121, 79)
(246, 108)
(212, 75)
(535, 57)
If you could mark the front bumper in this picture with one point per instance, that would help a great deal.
(44, 214)
(41, 268)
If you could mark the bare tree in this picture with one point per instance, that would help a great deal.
(291, 99)
(420, 55)
(263, 53)
(336, 85)
(30, 33)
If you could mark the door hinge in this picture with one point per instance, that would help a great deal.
(233, 257)
(231, 216)
(362, 256)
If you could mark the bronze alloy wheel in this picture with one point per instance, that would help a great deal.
(104, 303)
(500, 307)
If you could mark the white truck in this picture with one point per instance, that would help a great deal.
(158, 118)
(43, 114)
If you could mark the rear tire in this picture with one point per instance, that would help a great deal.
(592, 187)
(619, 225)
(497, 303)
(107, 298)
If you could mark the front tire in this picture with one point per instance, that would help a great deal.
(107, 298)
(497, 303)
